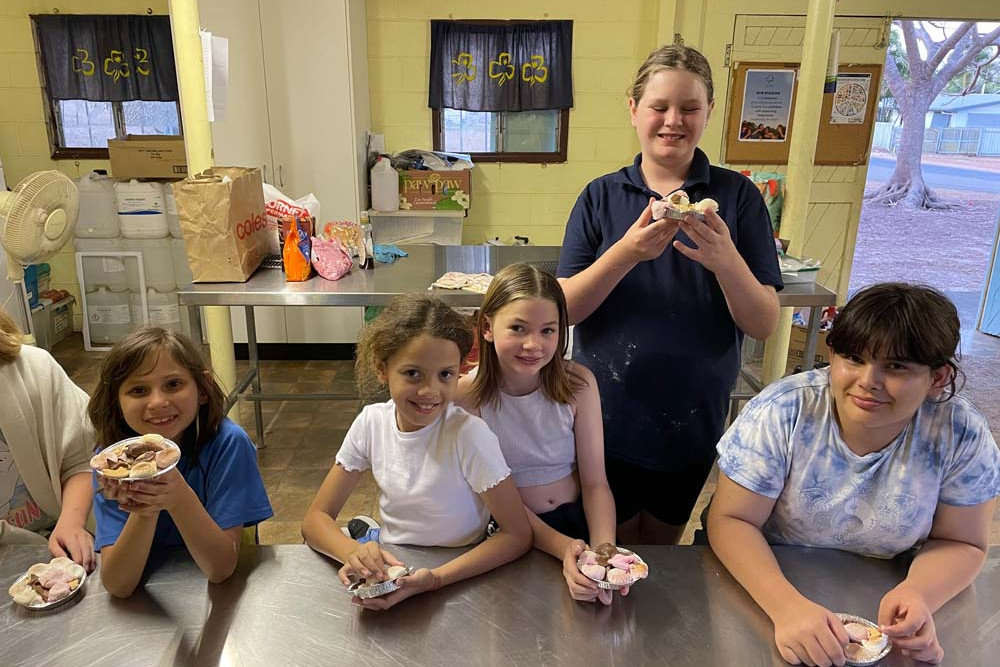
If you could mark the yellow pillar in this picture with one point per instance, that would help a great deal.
(185, 24)
(802, 151)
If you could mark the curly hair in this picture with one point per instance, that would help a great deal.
(406, 317)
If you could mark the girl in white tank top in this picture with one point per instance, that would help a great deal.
(546, 413)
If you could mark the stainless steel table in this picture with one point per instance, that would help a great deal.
(415, 273)
(284, 607)
(375, 287)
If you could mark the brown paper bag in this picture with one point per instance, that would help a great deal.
(223, 223)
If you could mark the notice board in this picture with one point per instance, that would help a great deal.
(762, 108)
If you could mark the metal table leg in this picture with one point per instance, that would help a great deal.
(258, 417)
(194, 318)
(809, 358)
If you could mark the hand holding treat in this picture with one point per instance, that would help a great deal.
(368, 561)
(714, 248)
(149, 497)
(45, 584)
(406, 584)
(904, 617)
(808, 633)
(645, 241)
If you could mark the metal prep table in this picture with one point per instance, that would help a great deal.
(415, 273)
(284, 606)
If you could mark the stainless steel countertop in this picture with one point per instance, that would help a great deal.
(284, 606)
(267, 287)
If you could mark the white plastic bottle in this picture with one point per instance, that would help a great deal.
(164, 309)
(385, 186)
(157, 261)
(106, 272)
(108, 315)
(141, 209)
(98, 216)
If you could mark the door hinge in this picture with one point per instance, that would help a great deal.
(729, 55)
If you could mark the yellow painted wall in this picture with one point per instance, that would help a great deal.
(24, 144)
(609, 42)
(508, 199)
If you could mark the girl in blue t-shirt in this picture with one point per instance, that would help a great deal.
(156, 381)
(875, 455)
(546, 413)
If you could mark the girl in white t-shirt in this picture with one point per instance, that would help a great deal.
(876, 456)
(439, 469)
(546, 412)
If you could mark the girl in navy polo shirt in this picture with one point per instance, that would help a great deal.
(156, 381)
(661, 306)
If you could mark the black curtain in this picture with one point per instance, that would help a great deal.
(112, 58)
(509, 66)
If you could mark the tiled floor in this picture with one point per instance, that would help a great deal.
(302, 437)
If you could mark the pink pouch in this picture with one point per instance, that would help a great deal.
(330, 258)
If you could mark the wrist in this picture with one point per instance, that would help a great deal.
(437, 580)
(186, 498)
(623, 255)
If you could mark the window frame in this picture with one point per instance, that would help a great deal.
(53, 122)
(549, 157)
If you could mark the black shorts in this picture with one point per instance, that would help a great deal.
(569, 519)
(669, 495)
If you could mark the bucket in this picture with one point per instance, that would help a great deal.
(385, 186)
(157, 261)
(108, 315)
(141, 209)
(164, 310)
(108, 272)
(98, 216)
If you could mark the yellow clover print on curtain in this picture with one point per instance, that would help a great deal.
(541, 73)
(501, 69)
(141, 57)
(115, 66)
(468, 72)
(82, 63)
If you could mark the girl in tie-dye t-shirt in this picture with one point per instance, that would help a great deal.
(875, 455)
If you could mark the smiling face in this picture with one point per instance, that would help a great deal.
(422, 377)
(671, 115)
(875, 398)
(525, 336)
(160, 396)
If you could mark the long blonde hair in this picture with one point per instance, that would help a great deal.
(10, 339)
(523, 281)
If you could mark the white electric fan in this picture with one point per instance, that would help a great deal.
(36, 220)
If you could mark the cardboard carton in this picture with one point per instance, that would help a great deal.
(158, 156)
(432, 190)
(797, 348)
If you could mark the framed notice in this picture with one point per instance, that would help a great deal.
(761, 113)
(767, 104)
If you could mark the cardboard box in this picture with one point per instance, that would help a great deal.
(797, 348)
(432, 190)
(157, 156)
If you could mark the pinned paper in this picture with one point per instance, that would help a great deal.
(215, 58)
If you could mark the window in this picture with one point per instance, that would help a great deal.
(503, 136)
(501, 90)
(105, 77)
(80, 124)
